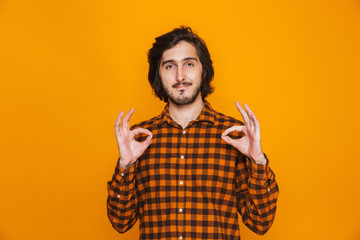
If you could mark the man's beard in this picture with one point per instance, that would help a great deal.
(182, 100)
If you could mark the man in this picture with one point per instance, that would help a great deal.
(187, 172)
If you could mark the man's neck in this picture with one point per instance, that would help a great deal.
(184, 114)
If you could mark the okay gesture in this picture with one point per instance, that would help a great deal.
(249, 144)
(130, 149)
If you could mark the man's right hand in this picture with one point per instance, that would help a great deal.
(130, 149)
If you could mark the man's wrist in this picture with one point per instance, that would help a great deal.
(261, 159)
(125, 166)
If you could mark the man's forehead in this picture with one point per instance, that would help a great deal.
(181, 51)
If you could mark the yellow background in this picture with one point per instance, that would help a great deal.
(67, 68)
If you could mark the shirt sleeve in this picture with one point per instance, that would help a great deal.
(256, 193)
(122, 199)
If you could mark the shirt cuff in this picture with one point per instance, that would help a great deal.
(258, 171)
(125, 175)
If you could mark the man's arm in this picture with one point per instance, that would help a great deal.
(122, 199)
(256, 193)
(256, 188)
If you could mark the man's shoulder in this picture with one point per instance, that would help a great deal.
(222, 119)
(149, 123)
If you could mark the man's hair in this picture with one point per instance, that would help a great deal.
(169, 40)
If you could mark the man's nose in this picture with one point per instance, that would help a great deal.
(180, 74)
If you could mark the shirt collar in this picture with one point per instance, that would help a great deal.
(207, 114)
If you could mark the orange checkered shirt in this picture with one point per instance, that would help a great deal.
(190, 184)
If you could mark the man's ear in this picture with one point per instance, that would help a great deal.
(203, 74)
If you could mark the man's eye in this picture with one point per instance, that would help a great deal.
(189, 64)
(169, 66)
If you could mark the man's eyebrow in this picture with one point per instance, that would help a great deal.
(185, 59)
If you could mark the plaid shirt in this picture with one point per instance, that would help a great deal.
(190, 184)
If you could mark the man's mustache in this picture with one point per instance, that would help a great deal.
(181, 84)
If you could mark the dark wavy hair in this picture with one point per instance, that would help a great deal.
(169, 40)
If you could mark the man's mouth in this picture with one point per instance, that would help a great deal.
(181, 84)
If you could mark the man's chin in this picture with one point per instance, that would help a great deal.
(183, 100)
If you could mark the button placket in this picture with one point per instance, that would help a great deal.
(182, 151)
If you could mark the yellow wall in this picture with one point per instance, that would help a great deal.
(67, 68)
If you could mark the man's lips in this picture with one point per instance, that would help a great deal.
(181, 85)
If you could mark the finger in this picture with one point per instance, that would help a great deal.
(257, 124)
(118, 121)
(228, 140)
(148, 141)
(251, 120)
(243, 113)
(141, 130)
(127, 118)
(232, 129)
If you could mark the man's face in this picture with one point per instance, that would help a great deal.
(180, 72)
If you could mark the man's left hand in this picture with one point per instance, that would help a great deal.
(249, 144)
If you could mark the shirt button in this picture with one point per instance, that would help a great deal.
(182, 157)
(180, 209)
(268, 189)
(122, 174)
(180, 238)
(118, 196)
(181, 182)
(184, 132)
